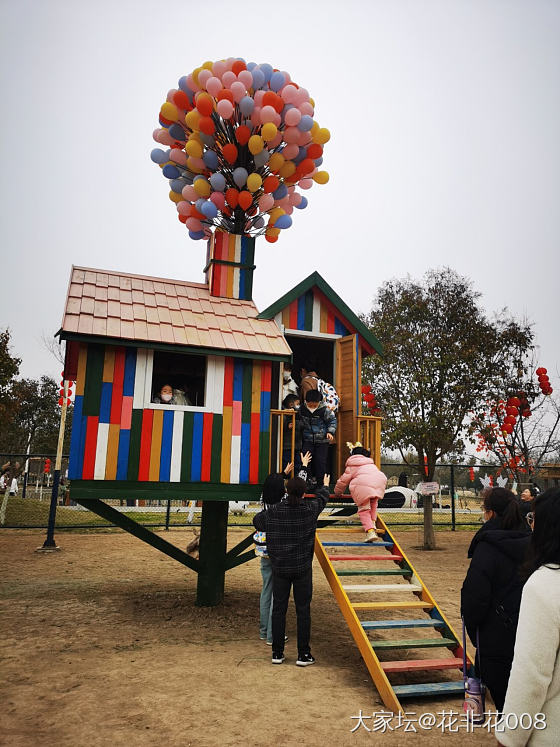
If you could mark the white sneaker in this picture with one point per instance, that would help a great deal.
(371, 536)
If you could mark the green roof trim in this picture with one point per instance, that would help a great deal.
(316, 280)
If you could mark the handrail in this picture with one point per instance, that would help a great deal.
(368, 432)
(280, 414)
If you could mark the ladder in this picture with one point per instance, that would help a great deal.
(407, 593)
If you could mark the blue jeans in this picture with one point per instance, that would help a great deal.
(266, 600)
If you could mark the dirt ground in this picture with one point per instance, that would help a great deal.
(102, 645)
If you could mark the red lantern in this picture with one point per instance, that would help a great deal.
(514, 401)
(526, 413)
(540, 371)
(510, 420)
(543, 377)
(366, 389)
(513, 411)
(60, 401)
(471, 473)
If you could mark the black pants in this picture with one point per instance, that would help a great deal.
(303, 591)
(495, 675)
(318, 465)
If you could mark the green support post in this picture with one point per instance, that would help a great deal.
(212, 553)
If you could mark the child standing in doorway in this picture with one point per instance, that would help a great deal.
(367, 486)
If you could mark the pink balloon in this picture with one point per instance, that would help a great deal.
(292, 117)
(246, 78)
(194, 224)
(266, 202)
(291, 134)
(258, 97)
(276, 140)
(164, 137)
(288, 209)
(303, 138)
(178, 156)
(306, 108)
(238, 90)
(295, 199)
(170, 95)
(184, 208)
(189, 193)
(267, 114)
(229, 62)
(218, 199)
(191, 84)
(289, 93)
(290, 151)
(228, 78)
(277, 119)
(256, 116)
(305, 183)
(224, 108)
(219, 68)
(203, 77)
(302, 95)
(198, 163)
(213, 85)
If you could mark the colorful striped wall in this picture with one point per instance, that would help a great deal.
(230, 265)
(114, 437)
(313, 312)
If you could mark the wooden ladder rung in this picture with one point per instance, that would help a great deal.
(415, 643)
(362, 588)
(412, 604)
(414, 665)
(388, 556)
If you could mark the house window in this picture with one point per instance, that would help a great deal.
(178, 379)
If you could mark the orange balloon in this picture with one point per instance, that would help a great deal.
(315, 150)
(243, 133)
(271, 239)
(230, 153)
(238, 66)
(245, 199)
(181, 100)
(232, 196)
(271, 183)
(225, 93)
(204, 104)
(306, 166)
(206, 125)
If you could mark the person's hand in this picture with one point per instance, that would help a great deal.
(305, 458)
(288, 468)
(290, 426)
(326, 480)
(330, 437)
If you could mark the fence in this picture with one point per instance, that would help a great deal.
(456, 507)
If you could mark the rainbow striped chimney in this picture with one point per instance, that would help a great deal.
(229, 265)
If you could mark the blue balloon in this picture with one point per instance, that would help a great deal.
(300, 156)
(199, 204)
(266, 70)
(208, 140)
(281, 192)
(177, 132)
(261, 158)
(305, 123)
(284, 221)
(159, 156)
(302, 204)
(251, 66)
(178, 184)
(183, 85)
(240, 176)
(318, 161)
(277, 80)
(259, 222)
(218, 182)
(246, 106)
(196, 235)
(258, 78)
(171, 172)
(209, 209)
(210, 159)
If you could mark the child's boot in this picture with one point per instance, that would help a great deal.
(371, 535)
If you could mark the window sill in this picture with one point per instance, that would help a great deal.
(181, 408)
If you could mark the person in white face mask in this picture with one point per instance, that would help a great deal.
(169, 396)
(289, 386)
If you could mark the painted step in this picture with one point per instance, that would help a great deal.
(388, 556)
(424, 622)
(415, 643)
(424, 665)
(392, 605)
(381, 587)
(358, 544)
(378, 572)
(428, 688)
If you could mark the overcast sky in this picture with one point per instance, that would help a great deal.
(445, 148)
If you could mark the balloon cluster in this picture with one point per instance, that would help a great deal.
(241, 138)
(544, 381)
(369, 400)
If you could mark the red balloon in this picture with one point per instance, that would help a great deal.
(206, 125)
(245, 199)
(230, 152)
(306, 166)
(232, 196)
(181, 100)
(242, 134)
(182, 218)
(238, 66)
(271, 239)
(315, 150)
(271, 183)
(204, 106)
(225, 93)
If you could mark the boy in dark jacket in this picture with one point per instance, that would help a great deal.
(290, 539)
(316, 425)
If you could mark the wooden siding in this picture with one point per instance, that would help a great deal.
(114, 437)
(313, 312)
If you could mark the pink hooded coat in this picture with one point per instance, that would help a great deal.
(366, 480)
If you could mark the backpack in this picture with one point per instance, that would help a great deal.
(329, 394)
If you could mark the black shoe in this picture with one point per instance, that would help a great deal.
(277, 658)
(304, 660)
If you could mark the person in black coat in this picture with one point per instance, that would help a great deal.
(491, 592)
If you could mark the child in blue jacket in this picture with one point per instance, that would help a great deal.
(316, 426)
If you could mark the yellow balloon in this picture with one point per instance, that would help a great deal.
(202, 187)
(271, 231)
(276, 161)
(269, 131)
(208, 66)
(194, 149)
(275, 213)
(315, 128)
(321, 177)
(256, 144)
(312, 102)
(169, 111)
(195, 73)
(192, 119)
(323, 136)
(193, 167)
(287, 169)
(176, 196)
(254, 182)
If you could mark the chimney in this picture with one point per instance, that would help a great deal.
(229, 265)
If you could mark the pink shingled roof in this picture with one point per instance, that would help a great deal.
(103, 303)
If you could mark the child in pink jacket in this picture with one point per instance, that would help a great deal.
(367, 486)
